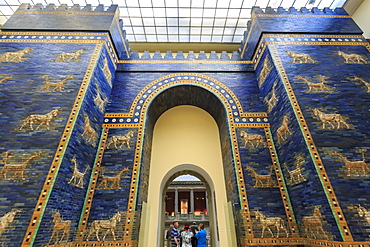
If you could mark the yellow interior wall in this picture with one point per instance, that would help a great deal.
(185, 135)
(361, 17)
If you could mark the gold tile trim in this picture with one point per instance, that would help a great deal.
(294, 230)
(85, 212)
(243, 198)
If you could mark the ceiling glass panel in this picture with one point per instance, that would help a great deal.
(159, 12)
(184, 21)
(158, 3)
(161, 30)
(195, 38)
(136, 22)
(216, 38)
(208, 22)
(209, 13)
(181, 20)
(204, 38)
(134, 12)
(184, 3)
(160, 21)
(145, 3)
(195, 30)
(223, 3)
(146, 12)
(196, 22)
(229, 39)
(148, 21)
(221, 13)
(162, 38)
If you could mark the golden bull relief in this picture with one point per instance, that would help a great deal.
(252, 140)
(354, 168)
(270, 223)
(119, 141)
(262, 181)
(17, 169)
(114, 181)
(105, 225)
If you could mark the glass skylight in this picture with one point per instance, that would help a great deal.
(181, 20)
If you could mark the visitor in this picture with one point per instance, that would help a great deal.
(168, 236)
(175, 236)
(201, 236)
(194, 240)
(186, 237)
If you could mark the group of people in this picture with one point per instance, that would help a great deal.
(187, 236)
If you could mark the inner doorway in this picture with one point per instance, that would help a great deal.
(186, 140)
(186, 201)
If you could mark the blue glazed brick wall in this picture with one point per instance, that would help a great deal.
(68, 196)
(345, 96)
(305, 194)
(25, 94)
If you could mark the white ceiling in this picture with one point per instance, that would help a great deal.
(181, 20)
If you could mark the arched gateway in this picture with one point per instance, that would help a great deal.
(186, 138)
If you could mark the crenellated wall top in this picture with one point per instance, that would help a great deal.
(63, 8)
(314, 21)
(302, 11)
(72, 19)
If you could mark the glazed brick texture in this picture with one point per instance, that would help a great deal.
(128, 85)
(293, 21)
(349, 98)
(185, 66)
(68, 196)
(306, 194)
(21, 96)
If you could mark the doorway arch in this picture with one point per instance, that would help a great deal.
(202, 175)
(185, 135)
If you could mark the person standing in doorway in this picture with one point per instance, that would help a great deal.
(201, 236)
(175, 236)
(186, 237)
(168, 236)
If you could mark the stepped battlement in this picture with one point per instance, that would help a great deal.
(25, 7)
(294, 11)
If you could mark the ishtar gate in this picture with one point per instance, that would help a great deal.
(93, 134)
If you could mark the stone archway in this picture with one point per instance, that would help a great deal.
(185, 135)
(202, 175)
